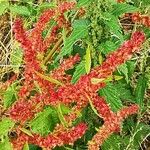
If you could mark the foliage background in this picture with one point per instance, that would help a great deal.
(101, 30)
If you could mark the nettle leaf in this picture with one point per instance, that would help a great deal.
(124, 70)
(21, 10)
(5, 126)
(112, 23)
(112, 143)
(46, 5)
(115, 93)
(140, 90)
(34, 147)
(61, 116)
(3, 6)
(112, 97)
(140, 132)
(65, 110)
(124, 92)
(45, 121)
(80, 70)
(80, 31)
(88, 59)
(107, 47)
(131, 67)
(121, 8)
(82, 3)
(16, 59)
(10, 95)
(26, 146)
(5, 144)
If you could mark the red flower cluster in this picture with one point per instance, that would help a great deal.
(141, 19)
(60, 137)
(120, 1)
(67, 93)
(112, 122)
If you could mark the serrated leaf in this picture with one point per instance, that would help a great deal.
(122, 8)
(80, 70)
(112, 143)
(140, 132)
(82, 3)
(107, 47)
(88, 59)
(5, 145)
(113, 24)
(21, 10)
(46, 5)
(3, 6)
(112, 97)
(124, 69)
(80, 30)
(131, 67)
(45, 121)
(124, 92)
(5, 126)
(10, 95)
(33, 147)
(140, 90)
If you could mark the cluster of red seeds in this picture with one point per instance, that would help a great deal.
(59, 137)
(139, 19)
(120, 1)
(80, 93)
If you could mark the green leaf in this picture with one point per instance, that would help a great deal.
(5, 145)
(124, 92)
(141, 131)
(80, 70)
(140, 90)
(3, 6)
(16, 59)
(131, 67)
(65, 110)
(88, 59)
(122, 8)
(112, 23)
(26, 146)
(45, 121)
(46, 5)
(21, 10)
(80, 31)
(112, 143)
(82, 3)
(110, 78)
(48, 78)
(10, 95)
(107, 47)
(26, 131)
(92, 106)
(124, 70)
(61, 117)
(34, 147)
(111, 94)
(5, 126)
